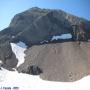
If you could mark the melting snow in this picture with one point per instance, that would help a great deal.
(44, 41)
(18, 50)
(0, 62)
(63, 36)
(21, 44)
(28, 82)
(13, 36)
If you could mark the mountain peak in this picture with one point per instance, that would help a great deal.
(38, 26)
(35, 8)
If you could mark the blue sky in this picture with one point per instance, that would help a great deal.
(8, 8)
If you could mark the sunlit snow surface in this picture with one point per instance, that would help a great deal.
(28, 82)
(63, 36)
(18, 49)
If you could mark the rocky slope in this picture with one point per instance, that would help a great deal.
(66, 61)
(37, 25)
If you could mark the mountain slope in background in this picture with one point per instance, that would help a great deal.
(36, 25)
(65, 61)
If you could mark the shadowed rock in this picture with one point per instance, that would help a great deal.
(33, 70)
(7, 56)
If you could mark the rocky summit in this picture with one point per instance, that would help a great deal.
(58, 44)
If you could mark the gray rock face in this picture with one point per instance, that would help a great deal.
(65, 62)
(7, 56)
(35, 25)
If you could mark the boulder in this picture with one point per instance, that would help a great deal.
(33, 70)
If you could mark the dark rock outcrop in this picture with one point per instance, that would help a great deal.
(7, 56)
(33, 70)
(79, 33)
(36, 25)
(66, 61)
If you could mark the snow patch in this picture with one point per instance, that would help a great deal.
(21, 44)
(13, 37)
(88, 40)
(2, 75)
(18, 49)
(63, 36)
(29, 82)
(1, 62)
(44, 41)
